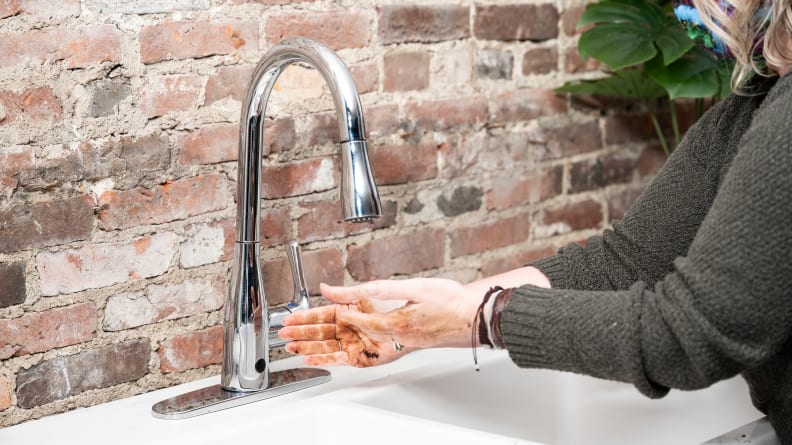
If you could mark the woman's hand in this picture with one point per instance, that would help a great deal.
(437, 313)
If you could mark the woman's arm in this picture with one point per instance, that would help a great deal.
(663, 221)
(513, 278)
(725, 307)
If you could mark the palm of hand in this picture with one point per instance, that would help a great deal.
(351, 332)
(326, 337)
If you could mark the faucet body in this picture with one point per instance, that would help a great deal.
(248, 321)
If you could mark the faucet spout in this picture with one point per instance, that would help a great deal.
(247, 318)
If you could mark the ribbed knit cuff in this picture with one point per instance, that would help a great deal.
(553, 268)
(585, 332)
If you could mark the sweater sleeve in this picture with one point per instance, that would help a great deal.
(675, 202)
(724, 307)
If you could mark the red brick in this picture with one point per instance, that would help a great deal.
(13, 162)
(406, 71)
(279, 135)
(39, 8)
(494, 64)
(336, 29)
(569, 140)
(41, 331)
(322, 129)
(508, 191)
(522, 258)
(162, 95)
(470, 153)
(101, 265)
(624, 129)
(193, 350)
(516, 22)
(402, 254)
(229, 82)
(46, 223)
(321, 266)
(127, 158)
(575, 64)
(323, 220)
(166, 301)
(78, 47)
(570, 18)
(366, 76)
(34, 106)
(66, 376)
(13, 291)
(194, 39)
(9, 8)
(596, 173)
(652, 159)
(619, 202)
(168, 202)
(527, 104)
(540, 61)
(5, 395)
(275, 227)
(207, 243)
(568, 217)
(298, 178)
(382, 121)
(489, 236)
(413, 23)
(209, 145)
(400, 164)
(450, 113)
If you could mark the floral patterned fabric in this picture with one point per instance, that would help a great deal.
(689, 17)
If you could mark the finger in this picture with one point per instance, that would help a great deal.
(356, 321)
(378, 289)
(308, 332)
(317, 315)
(313, 347)
(333, 359)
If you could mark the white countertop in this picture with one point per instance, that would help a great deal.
(425, 397)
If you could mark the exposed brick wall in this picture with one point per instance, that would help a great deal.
(118, 141)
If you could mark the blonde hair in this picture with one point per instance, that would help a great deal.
(741, 30)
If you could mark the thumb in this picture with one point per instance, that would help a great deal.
(372, 290)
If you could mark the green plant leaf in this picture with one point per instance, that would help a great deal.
(694, 75)
(616, 11)
(724, 72)
(629, 32)
(613, 45)
(675, 43)
(631, 83)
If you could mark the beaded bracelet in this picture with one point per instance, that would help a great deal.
(481, 327)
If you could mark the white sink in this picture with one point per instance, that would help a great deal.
(561, 408)
(426, 397)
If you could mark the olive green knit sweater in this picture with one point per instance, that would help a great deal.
(695, 284)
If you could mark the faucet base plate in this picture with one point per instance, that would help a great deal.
(215, 398)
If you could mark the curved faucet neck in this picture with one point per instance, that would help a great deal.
(348, 110)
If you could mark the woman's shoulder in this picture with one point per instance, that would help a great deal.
(777, 104)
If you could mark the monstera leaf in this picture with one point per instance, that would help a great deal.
(629, 32)
(630, 83)
(697, 74)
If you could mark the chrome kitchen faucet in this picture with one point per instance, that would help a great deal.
(249, 327)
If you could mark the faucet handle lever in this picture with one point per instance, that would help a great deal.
(298, 273)
(300, 301)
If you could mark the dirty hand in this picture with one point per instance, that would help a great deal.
(437, 313)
